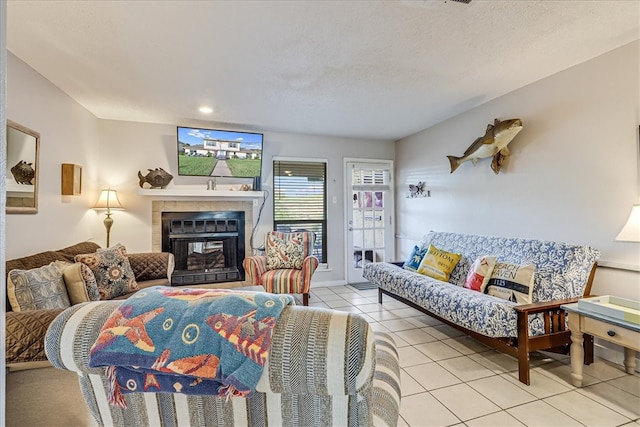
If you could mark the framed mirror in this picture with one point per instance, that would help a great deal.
(22, 169)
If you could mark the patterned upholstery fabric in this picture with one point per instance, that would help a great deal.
(288, 250)
(562, 271)
(325, 367)
(285, 280)
(38, 288)
(112, 270)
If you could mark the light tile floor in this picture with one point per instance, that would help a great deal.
(450, 379)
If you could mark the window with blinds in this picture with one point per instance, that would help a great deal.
(300, 200)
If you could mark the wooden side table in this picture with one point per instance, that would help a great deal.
(625, 334)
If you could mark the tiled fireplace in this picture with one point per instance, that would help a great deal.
(209, 239)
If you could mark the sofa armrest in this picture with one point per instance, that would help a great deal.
(254, 267)
(25, 331)
(71, 335)
(553, 316)
(341, 344)
(539, 307)
(309, 266)
(151, 265)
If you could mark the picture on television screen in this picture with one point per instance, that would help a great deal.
(223, 153)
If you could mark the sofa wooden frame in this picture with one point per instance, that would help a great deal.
(556, 339)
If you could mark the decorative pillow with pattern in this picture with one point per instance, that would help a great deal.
(416, 256)
(38, 288)
(80, 282)
(285, 253)
(112, 271)
(438, 264)
(512, 282)
(479, 273)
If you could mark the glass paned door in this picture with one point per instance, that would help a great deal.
(369, 218)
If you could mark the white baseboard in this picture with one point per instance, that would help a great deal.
(328, 283)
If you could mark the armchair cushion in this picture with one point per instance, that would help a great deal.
(286, 250)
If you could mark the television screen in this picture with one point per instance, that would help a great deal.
(211, 152)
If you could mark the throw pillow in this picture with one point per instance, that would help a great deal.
(35, 289)
(289, 252)
(80, 282)
(112, 271)
(512, 282)
(413, 263)
(479, 273)
(438, 263)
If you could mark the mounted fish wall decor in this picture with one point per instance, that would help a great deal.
(492, 144)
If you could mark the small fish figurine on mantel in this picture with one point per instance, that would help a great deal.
(492, 144)
(157, 178)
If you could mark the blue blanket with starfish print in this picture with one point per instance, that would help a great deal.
(191, 341)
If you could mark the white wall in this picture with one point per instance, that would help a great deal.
(68, 134)
(128, 147)
(572, 175)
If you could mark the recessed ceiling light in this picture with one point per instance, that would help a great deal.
(206, 110)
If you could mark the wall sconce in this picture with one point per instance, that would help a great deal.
(71, 179)
(108, 201)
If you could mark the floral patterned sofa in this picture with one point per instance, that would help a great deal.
(563, 273)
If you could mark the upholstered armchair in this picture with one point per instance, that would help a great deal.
(287, 266)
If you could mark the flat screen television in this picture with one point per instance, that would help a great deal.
(220, 153)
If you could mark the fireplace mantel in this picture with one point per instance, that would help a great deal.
(197, 191)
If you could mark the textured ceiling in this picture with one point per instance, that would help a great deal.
(370, 69)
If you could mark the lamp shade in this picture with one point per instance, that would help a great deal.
(108, 200)
(631, 230)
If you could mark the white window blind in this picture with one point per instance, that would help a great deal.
(299, 200)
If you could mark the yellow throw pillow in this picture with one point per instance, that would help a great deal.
(438, 264)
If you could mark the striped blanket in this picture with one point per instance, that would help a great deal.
(191, 341)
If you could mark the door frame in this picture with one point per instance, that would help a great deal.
(389, 254)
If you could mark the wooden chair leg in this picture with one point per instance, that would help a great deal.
(523, 366)
(305, 299)
(588, 349)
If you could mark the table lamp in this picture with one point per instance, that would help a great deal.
(108, 201)
(631, 230)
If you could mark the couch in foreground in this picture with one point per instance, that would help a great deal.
(25, 329)
(563, 273)
(325, 367)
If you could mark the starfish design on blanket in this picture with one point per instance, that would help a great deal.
(134, 329)
(249, 336)
(201, 365)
